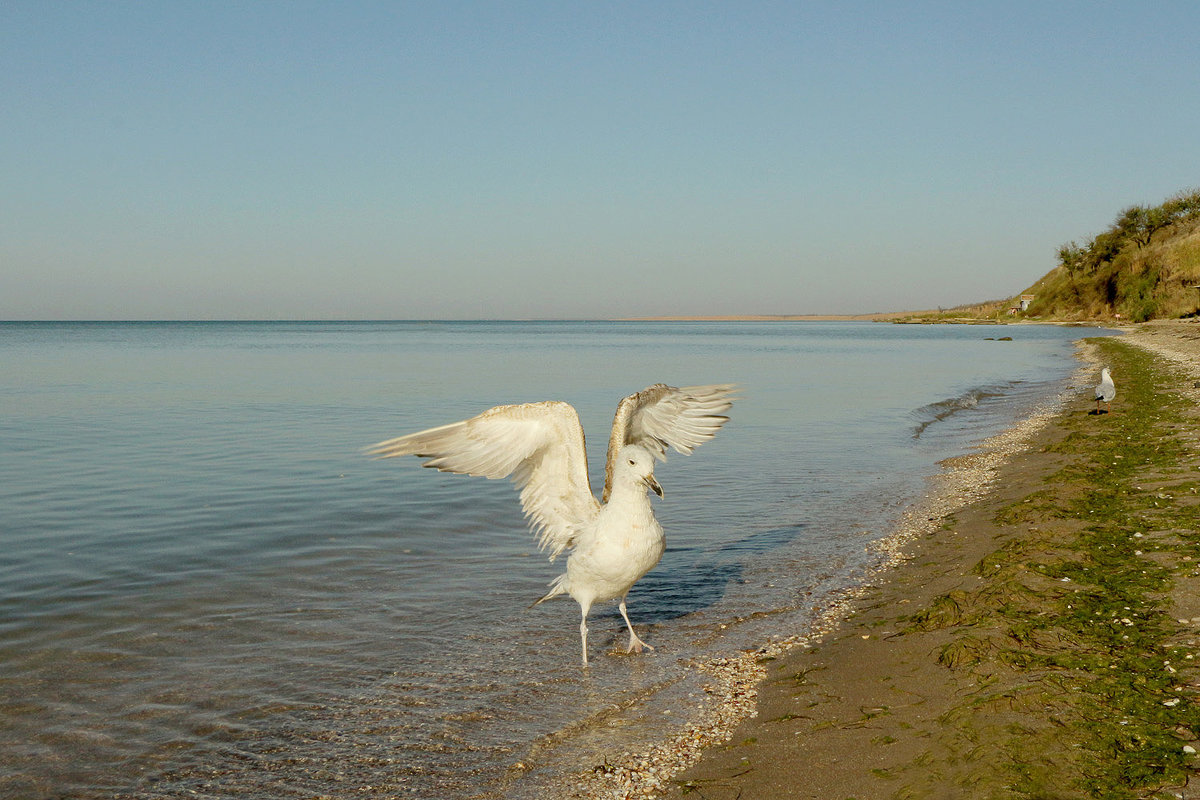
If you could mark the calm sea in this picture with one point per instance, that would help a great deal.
(206, 590)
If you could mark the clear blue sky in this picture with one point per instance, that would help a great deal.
(553, 159)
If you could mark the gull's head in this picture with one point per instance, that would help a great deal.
(635, 463)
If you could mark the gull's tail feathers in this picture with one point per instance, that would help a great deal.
(557, 586)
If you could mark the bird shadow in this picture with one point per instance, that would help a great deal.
(690, 579)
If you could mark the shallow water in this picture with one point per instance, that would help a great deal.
(206, 588)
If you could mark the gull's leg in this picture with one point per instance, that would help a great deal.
(583, 630)
(635, 644)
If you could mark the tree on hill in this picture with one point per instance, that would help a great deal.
(1145, 265)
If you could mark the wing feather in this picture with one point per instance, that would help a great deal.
(540, 446)
(662, 416)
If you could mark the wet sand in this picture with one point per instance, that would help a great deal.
(880, 701)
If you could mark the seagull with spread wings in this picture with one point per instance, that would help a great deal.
(540, 446)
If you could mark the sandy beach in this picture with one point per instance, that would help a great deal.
(1033, 629)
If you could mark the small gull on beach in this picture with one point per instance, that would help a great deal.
(1105, 391)
(615, 541)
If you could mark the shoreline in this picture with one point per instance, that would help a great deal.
(900, 317)
(879, 316)
(734, 690)
(744, 746)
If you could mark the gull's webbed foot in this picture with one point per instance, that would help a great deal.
(636, 644)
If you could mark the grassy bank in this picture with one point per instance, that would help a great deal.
(1044, 644)
(1084, 669)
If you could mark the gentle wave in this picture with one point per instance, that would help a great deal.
(969, 400)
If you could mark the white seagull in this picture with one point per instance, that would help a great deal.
(613, 542)
(1106, 391)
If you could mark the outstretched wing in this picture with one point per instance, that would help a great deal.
(539, 445)
(662, 416)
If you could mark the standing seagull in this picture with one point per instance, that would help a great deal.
(1106, 391)
(613, 542)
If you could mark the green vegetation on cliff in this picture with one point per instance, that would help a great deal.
(1145, 266)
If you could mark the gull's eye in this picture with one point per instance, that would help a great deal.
(631, 462)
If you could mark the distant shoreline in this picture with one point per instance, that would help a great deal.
(875, 317)
(899, 317)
